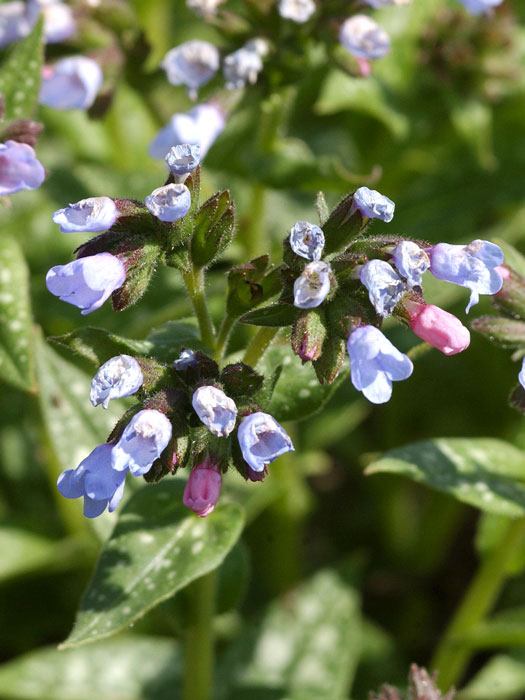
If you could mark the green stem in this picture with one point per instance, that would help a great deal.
(199, 646)
(194, 281)
(251, 233)
(223, 336)
(259, 344)
(453, 654)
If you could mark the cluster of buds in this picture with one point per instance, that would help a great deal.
(340, 283)
(507, 328)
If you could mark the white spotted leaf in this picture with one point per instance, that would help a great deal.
(485, 473)
(126, 668)
(20, 76)
(16, 335)
(306, 646)
(297, 393)
(157, 548)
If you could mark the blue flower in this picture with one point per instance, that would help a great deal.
(364, 38)
(307, 240)
(187, 358)
(472, 266)
(90, 215)
(373, 204)
(313, 286)
(385, 286)
(262, 440)
(118, 377)
(87, 282)
(375, 363)
(71, 83)
(201, 126)
(182, 159)
(241, 67)
(193, 64)
(169, 202)
(101, 486)
(298, 11)
(411, 261)
(144, 439)
(521, 375)
(20, 169)
(478, 7)
(216, 410)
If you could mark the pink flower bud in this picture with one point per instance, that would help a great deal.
(503, 272)
(438, 328)
(203, 489)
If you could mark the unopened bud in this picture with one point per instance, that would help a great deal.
(203, 488)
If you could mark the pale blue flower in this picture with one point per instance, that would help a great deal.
(144, 439)
(307, 240)
(375, 363)
(187, 358)
(71, 83)
(411, 262)
(373, 204)
(242, 67)
(521, 375)
(169, 202)
(201, 126)
(313, 285)
(479, 7)
(183, 159)
(262, 440)
(298, 11)
(216, 410)
(385, 286)
(90, 215)
(118, 377)
(193, 64)
(59, 20)
(100, 485)
(364, 38)
(20, 169)
(17, 20)
(473, 266)
(87, 282)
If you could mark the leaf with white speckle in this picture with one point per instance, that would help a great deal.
(485, 473)
(307, 646)
(157, 548)
(20, 76)
(16, 333)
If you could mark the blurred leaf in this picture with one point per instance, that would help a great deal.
(233, 578)
(157, 548)
(482, 472)
(492, 529)
(24, 552)
(297, 393)
(20, 75)
(127, 668)
(503, 678)
(16, 333)
(343, 93)
(473, 122)
(97, 345)
(306, 646)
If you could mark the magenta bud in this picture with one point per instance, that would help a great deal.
(437, 327)
(203, 488)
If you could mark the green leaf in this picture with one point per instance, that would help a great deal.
(482, 472)
(97, 345)
(275, 316)
(341, 92)
(20, 76)
(24, 552)
(16, 333)
(503, 678)
(157, 548)
(472, 120)
(212, 229)
(297, 393)
(169, 339)
(128, 668)
(306, 647)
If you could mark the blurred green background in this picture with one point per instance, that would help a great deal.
(440, 129)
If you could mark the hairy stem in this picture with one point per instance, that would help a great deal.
(194, 281)
(199, 643)
(259, 344)
(453, 654)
